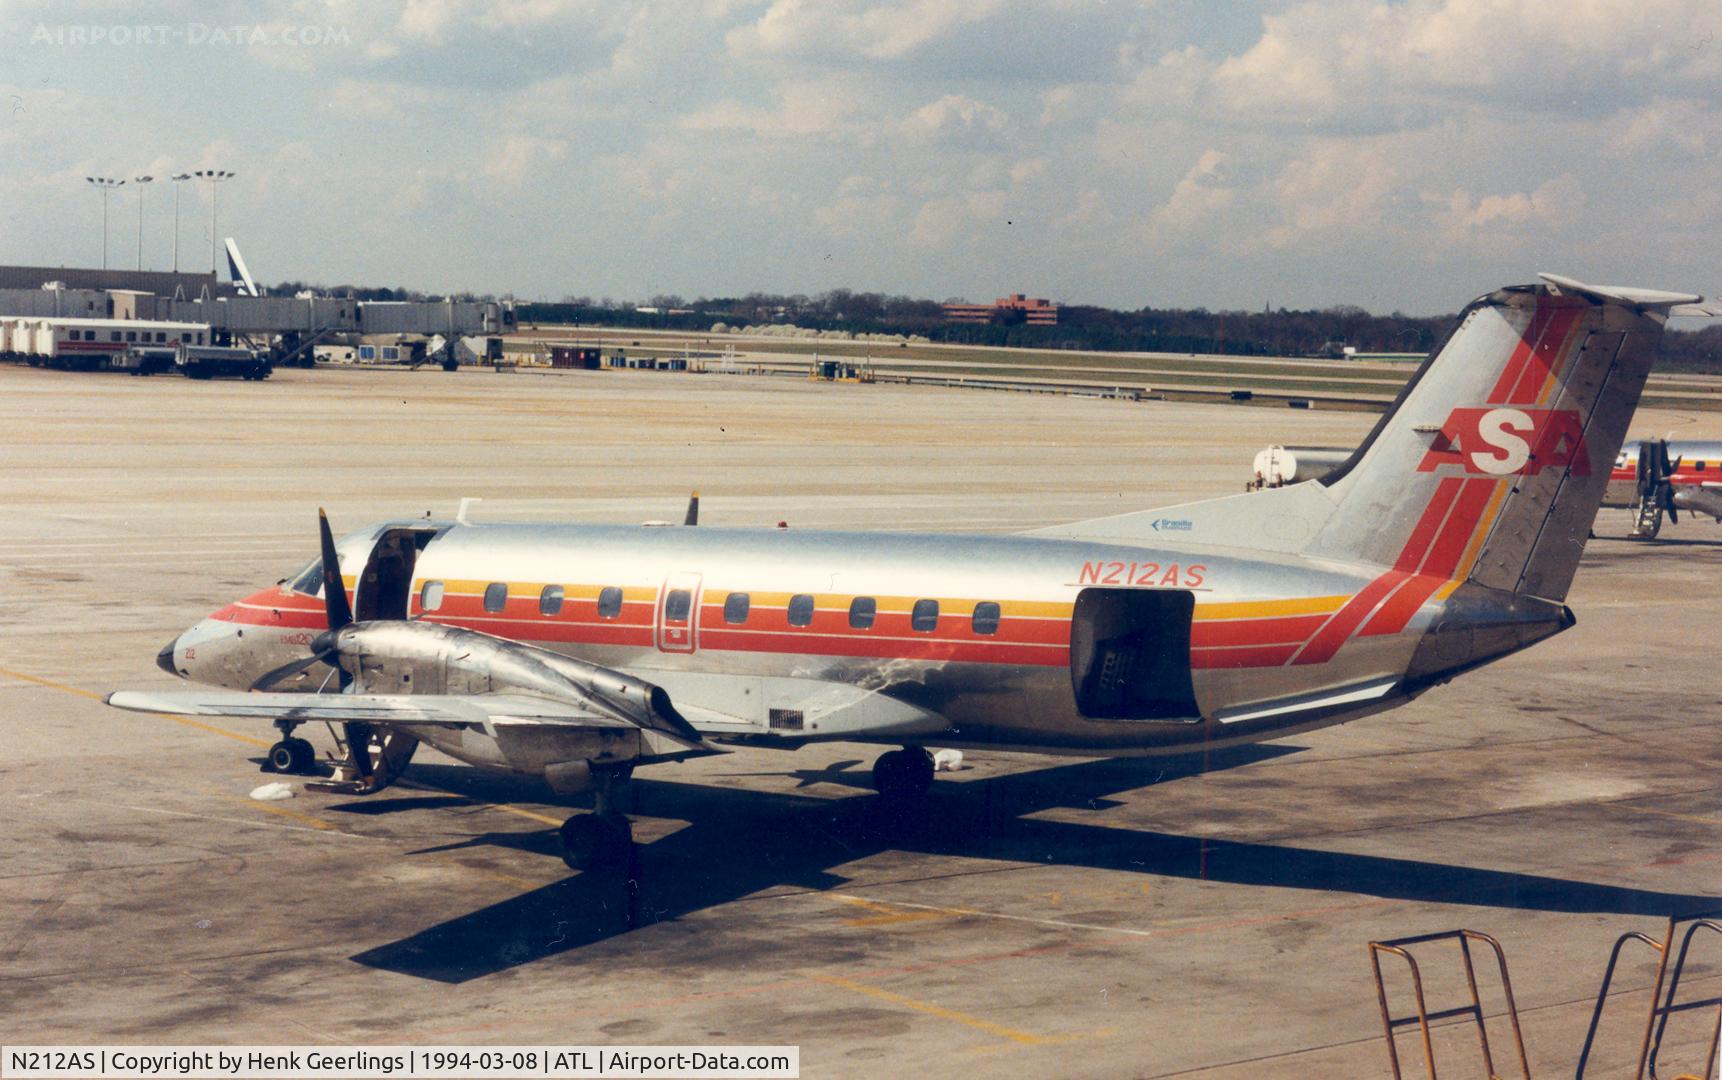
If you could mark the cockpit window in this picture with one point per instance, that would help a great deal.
(308, 581)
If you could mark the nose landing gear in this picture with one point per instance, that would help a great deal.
(293, 756)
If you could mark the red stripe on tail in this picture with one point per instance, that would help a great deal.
(1334, 634)
(1444, 558)
(1417, 546)
(1544, 358)
(1521, 353)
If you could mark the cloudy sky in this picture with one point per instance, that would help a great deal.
(1393, 155)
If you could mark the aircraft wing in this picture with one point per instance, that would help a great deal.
(447, 710)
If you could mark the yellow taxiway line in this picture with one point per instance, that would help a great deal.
(93, 696)
(930, 1009)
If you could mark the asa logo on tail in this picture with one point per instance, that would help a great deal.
(1510, 442)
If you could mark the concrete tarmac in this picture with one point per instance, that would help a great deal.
(1049, 917)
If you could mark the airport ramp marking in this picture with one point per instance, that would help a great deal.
(518, 812)
(1664, 813)
(885, 913)
(1130, 931)
(93, 696)
(327, 830)
(273, 808)
(931, 1009)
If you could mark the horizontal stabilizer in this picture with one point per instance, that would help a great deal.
(1708, 310)
(1642, 298)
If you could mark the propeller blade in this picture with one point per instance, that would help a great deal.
(287, 671)
(693, 517)
(334, 589)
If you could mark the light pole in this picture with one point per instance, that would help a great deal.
(177, 178)
(214, 176)
(106, 184)
(140, 181)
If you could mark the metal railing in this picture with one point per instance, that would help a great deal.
(1401, 947)
(1661, 1006)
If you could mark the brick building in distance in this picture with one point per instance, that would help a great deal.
(1034, 311)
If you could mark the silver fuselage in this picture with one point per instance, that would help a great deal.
(1250, 635)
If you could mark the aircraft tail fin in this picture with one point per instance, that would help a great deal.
(1491, 466)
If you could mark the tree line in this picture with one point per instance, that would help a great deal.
(1269, 332)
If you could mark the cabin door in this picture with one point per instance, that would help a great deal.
(677, 617)
(385, 586)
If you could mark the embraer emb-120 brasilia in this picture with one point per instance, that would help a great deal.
(577, 653)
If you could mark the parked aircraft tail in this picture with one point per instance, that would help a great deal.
(1491, 467)
(1488, 468)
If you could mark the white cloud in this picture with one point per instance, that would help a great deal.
(875, 31)
(384, 100)
(943, 221)
(1682, 129)
(518, 156)
(862, 207)
(818, 107)
(956, 119)
(1028, 170)
(1364, 63)
(1551, 202)
(1337, 150)
(1334, 189)
(1202, 193)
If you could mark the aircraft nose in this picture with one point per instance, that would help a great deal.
(164, 659)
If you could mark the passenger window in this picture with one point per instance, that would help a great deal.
(925, 617)
(89, 335)
(113, 335)
(800, 609)
(186, 336)
(1698, 466)
(735, 607)
(495, 597)
(861, 612)
(986, 618)
(609, 602)
(430, 597)
(550, 601)
(677, 604)
(131, 335)
(161, 337)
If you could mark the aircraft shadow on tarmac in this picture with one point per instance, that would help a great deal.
(742, 842)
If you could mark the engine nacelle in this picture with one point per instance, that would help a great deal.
(417, 657)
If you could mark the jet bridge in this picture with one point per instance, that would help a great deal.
(289, 326)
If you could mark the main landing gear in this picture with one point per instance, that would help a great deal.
(293, 756)
(902, 776)
(600, 841)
